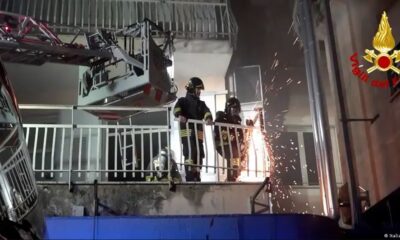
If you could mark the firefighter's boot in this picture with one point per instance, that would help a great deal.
(233, 173)
(190, 170)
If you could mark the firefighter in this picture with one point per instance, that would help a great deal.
(160, 167)
(191, 107)
(228, 140)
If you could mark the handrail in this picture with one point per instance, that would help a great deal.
(79, 150)
(79, 107)
(253, 202)
(186, 19)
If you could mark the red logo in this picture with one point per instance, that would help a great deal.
(365, 77)
(383, 43)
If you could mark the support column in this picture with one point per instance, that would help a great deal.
(351, 178)
(318, 111)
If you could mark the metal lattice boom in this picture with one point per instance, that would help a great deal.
(189, 19)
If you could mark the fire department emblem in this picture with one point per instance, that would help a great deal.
(383, 42)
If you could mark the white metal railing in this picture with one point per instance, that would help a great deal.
(193, 19)
(17, 185)
(76, 152)
(251, 150)
(81, 148)
(18, 193)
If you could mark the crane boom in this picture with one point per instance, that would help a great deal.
(134, 75)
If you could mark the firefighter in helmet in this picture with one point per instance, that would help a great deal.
(191, 107)
(228, 140)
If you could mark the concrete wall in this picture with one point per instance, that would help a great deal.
(156, 199)
(375, 146)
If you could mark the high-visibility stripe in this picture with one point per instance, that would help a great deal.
(177, 109)
(185, 132)
(235, 161)
(189, 161)
(151, 179)
(208, 114)
(218, 143)
(224, 135)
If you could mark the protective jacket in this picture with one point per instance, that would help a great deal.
(235, 136)
(192, 107)
(228, 142)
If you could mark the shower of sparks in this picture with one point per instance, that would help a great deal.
(290, 28)
(295, 41)
(275, 64)
(282, 161)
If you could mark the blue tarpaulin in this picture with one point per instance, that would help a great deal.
(266, 226)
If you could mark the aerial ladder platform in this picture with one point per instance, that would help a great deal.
(139, 77)
(137, 74)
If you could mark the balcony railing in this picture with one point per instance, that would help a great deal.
(188, 19)
(68, 150)
(18, 193)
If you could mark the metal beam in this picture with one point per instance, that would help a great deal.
(318, 111)
(351, 178)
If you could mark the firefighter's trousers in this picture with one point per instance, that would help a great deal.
(194, 153)
(232, 160)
